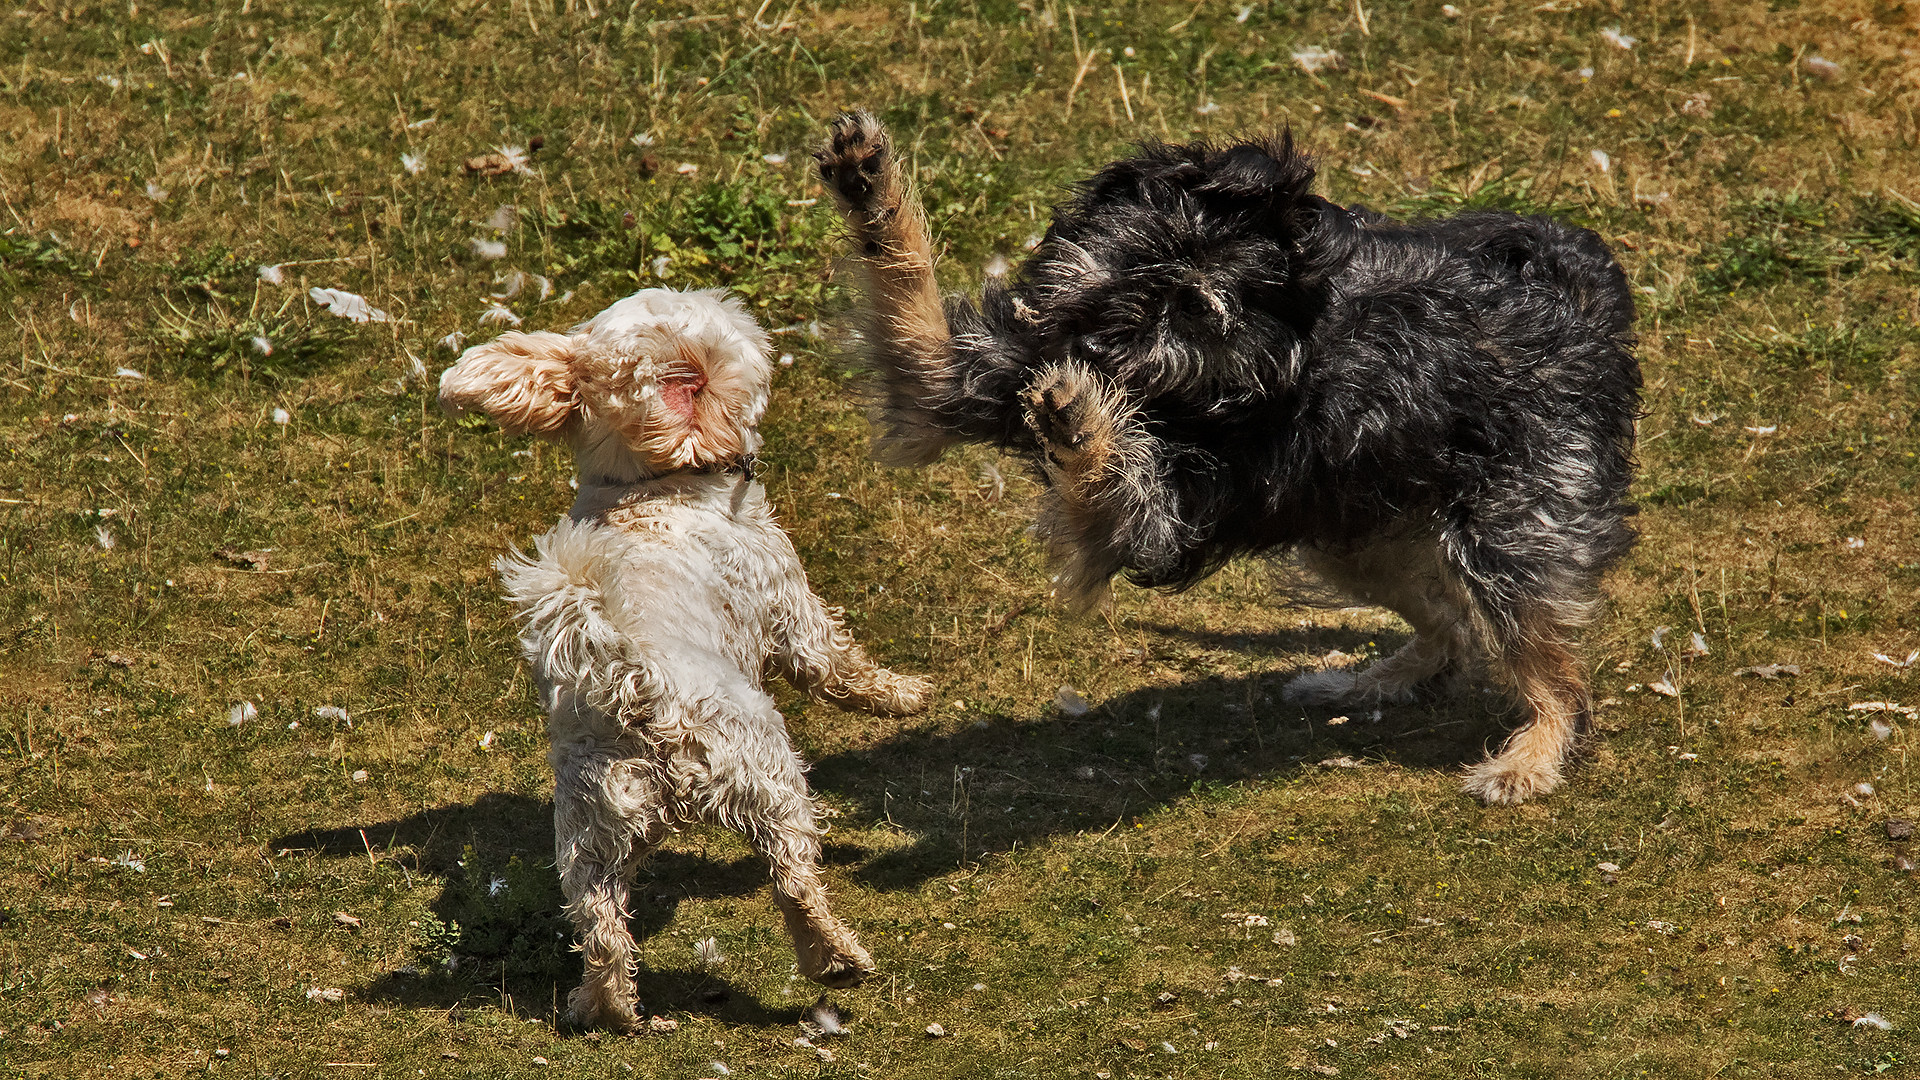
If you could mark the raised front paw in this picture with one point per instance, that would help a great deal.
(854, 163)
(1072, 414)
(902, 695)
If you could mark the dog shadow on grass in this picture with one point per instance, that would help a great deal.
(998, 781)
(498, 935)
(993, 784)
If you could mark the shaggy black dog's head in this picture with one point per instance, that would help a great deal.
(1185, 273)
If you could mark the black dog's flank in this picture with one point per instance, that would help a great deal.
(1314, 373)
(1207, 360)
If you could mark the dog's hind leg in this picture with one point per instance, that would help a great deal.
(598, 839)
(816, 654)
(826, 951)
(744, 775)
(1406, 578)
(1539, 661)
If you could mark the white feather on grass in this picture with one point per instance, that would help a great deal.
(516, 159)
(1313, 59)
(824, 1020)
(272, 275)
(350, 306)
(507, 286)
(1612, 36)
(499, 315)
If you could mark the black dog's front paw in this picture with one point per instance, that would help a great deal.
(1070, 414)
(854, 164)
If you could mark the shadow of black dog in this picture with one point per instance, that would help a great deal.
(1006, 781)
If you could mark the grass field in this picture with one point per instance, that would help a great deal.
(1189, 880)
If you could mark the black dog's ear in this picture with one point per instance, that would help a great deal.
(1269, 172)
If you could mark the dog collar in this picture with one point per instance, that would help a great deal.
(748, 467)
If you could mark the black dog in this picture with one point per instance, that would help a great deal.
(1207, 360)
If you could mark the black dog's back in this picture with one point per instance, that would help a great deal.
(1316, 373)
(1540, 251)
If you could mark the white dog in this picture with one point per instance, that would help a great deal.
(652, 610)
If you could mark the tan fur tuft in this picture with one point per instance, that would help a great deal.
(521, 380)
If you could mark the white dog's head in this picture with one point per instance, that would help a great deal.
(661, 381)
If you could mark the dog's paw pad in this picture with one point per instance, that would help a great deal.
(841, 969)
(855, 158)
(1066, 411)
(844, 976)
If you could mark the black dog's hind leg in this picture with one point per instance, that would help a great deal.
(1532, 590)
(1545, 673)
(1405, 576)
(1108, 506)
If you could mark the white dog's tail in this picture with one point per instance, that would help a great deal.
(561, 594)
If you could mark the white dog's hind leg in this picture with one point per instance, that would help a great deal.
(756, 785)
(1405, 578)
(1391, 679)
(597, 844)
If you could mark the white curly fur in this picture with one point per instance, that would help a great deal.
(651, 611)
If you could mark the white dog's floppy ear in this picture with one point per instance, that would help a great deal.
(523, 381)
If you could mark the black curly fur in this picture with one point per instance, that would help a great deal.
(1316, 374)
